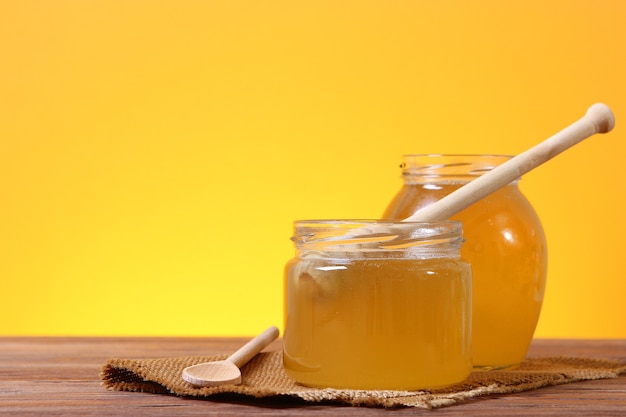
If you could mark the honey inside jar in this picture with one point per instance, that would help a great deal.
(378, 320)
(505, 246)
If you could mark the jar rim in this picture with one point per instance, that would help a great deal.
(484, 155)
(339, 222)
(448, 167)
(378, 236)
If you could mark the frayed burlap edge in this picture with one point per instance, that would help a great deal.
(264, 377)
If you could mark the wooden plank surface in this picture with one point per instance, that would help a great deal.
(60, 376)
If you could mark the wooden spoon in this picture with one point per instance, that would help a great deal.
(598, 119)
(211, 374)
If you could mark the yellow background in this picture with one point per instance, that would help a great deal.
(153, 154)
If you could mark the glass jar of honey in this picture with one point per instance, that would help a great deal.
(505, 245)
(377, 305)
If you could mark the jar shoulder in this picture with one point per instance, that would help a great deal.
(508, 200)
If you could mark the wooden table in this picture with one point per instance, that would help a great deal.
(60, 376)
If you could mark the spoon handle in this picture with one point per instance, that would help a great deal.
(250, 349)
(598, 119)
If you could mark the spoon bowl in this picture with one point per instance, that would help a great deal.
(213, 374)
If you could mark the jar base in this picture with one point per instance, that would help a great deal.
(495, 367)
(314, 376)
(384, 387)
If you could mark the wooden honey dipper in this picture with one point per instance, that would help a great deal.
(598, 119)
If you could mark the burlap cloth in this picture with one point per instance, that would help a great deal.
(263, 377)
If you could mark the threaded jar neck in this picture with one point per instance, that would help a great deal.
(447, 168)
(372, 239)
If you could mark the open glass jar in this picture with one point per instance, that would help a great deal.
(505, 245)
(377, 305)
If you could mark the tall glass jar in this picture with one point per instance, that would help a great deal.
(377, 305)
(505, 245)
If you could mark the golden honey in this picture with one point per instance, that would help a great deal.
(505, 246)
(362, 315)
